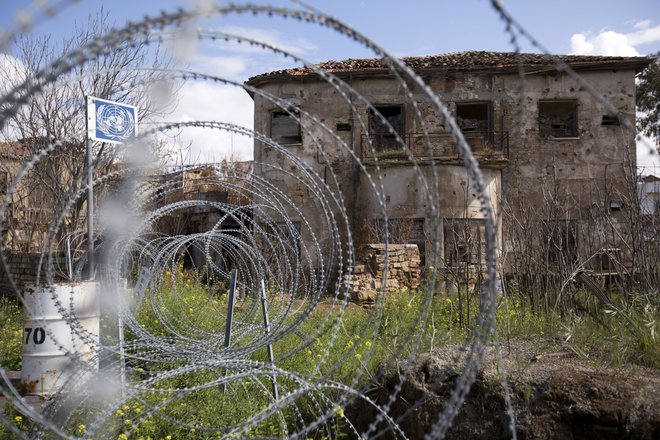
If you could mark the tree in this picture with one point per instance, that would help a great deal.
(648, 100)
(126, 73)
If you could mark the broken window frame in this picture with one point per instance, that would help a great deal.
(555, 123)
(291, 137)
(478, 132)
(483, 126)
(381, 135)
(464, 242)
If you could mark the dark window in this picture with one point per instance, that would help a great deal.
(342, 126)
(474, 117)
(464, 242)
(560, 241)
(558, 119)
(610, 120)
(285, 128)
(384, 122)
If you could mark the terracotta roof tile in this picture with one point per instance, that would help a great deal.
(469, 60)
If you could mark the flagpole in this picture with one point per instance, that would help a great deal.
(90, 198)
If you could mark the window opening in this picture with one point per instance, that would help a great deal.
(474, 120)
(382, 137)
(610, 120)
(285, 128)
(558, 119)
(473, 117)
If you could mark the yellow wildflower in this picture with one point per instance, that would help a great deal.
(18, 419)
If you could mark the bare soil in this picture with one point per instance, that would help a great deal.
(556, 393)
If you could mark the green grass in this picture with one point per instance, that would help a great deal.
(11, 331)
(621, 334)
(334, 345)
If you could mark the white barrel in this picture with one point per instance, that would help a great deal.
(60, 334)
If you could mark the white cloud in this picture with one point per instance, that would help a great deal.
(232, 68)
(204, 101)
(615, 43)
(208, 101)
(296, 46)
(604, 43)
(642, 24)
(644, 35)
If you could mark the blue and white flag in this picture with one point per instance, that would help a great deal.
(109, 121)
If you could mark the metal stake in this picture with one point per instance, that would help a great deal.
(271, 358)
(90, 199)
(230, 312)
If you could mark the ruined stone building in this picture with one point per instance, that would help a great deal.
(559, 167)
(200, 199)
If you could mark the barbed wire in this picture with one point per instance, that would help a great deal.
(160, 351)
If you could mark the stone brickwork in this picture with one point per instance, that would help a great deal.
(24, 266)
(403, 269)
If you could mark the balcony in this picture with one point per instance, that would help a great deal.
(487, 146)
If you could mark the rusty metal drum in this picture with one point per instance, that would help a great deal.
(60, 334)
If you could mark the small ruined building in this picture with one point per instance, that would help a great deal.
(559, 167)
(201, 199)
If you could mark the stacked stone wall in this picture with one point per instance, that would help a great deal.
(403, 270)
(23, 268)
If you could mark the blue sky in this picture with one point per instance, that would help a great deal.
(419, 27)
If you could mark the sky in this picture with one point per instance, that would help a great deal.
(416, 27)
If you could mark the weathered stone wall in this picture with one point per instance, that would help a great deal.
(578, 177)
(367, 279)
(23, 268)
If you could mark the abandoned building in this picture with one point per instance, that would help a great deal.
(199, 199)
(558, 166)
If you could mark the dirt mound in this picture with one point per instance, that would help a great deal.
(555, 394)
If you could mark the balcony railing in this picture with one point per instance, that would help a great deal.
(484, 144)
